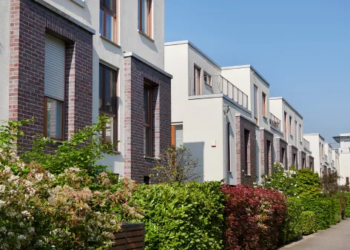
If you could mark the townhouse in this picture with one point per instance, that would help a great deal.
(66, 62)
(318, 146)
(343, 155)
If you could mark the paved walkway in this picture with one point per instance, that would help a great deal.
(335, 238)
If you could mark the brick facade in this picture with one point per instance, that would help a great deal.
(136, 166)
(282, 145)
(30, 22)
(302, 159)
(242, 126)
(293, 151)
(266, 153)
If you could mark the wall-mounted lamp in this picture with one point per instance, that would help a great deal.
(226, 109)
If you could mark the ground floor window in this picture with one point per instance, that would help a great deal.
(177, 135)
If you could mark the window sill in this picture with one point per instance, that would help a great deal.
(208, 84)
(151, 158)
(248, 175)
(81, 3)
(145, 35)
(111, 42)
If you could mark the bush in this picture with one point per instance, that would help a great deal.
(308, 222)
(347, 206)
(322, 207)
(335, 211)
(182, 216)
(343, 199)
(291, 229)
(253, 217)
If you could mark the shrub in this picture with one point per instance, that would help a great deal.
(182, 216)
(343, 199)
(322, 208)
(291, 229)
(335, 211)
(308, 183)
(253, 217)
(308, 222)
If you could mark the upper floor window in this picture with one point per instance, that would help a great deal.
(207, 79)
(256, 105)
(108, 19)
(54, 88)
(290, 126)
(285, 125)
(108, 102)
(197, 81)
(145, 17)
(264, 104)
(300, 133)
(148, 120)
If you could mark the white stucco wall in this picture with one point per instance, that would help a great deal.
(315, 142)
(4, 59)
(344, 162)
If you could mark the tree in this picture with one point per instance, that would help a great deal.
(176, 165)
(329, 183)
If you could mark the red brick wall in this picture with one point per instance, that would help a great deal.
(136, 72)
(29, 23)
(244, 178)
(266, 160)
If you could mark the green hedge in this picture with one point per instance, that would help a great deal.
(347, 207)
(335, 211)
(308, 222)
(291, 229)
(188, 216)
(323, 210)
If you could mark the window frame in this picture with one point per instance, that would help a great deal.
(247, 168)
(150, 123)
(103, 111)
(290, 126)
(62, 120)
(264, 104)
(149, 20)
(285, 126)
(229, 147)
(199, 83)
(105, 10)
(300, 134)
(209, 83)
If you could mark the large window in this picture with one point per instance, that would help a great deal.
(108, 102)
(228, 147)
(256, 105)
(264, 104)
(108, 19)
(290, 126)
(268, 150)
(285, 126)
(246, 152)
(176, 135)
(145, 17)
(148, 120)
(207, 79)
(283, 153)
(300, 134)
(197, 81)
(54, 88)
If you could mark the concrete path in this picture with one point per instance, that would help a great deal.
(335, 238)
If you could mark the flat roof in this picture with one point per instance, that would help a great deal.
(318, 134)
(283, 99)
(341, 136)
(246, 66)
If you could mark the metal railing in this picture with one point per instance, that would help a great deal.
(217, 85)
(306, 144)
(275, 122)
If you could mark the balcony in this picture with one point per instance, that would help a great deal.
(275, 122)
(306, 144)
(210, 85)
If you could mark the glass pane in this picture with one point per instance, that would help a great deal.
(146, 105)
(178, 136)
(112, 92)
(100, 88)
(54, 119)
(143, 16)
(101, 23)
(109, 26)
(110, 4)
(109, 132)
(146, 141)
(107, 94)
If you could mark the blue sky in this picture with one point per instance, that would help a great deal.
(302, 48)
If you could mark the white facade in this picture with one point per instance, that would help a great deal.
(317, 147)
(344, 157)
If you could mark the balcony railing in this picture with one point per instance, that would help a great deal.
(306, 144)
(217, 85)
(275, 122)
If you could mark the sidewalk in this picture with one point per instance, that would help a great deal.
(335, 238)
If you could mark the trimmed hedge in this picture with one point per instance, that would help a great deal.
(187, 216)
(322, 208)
(291, 229)
(347, 207)
(253, 217)
(335, 211)
(308, 222)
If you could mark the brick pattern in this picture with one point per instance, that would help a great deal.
(244, 178)
(136, 166)
(30, 22)
(302, 158)
(293, 150)
(266, 160)
(281, 144)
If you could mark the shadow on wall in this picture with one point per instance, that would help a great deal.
(197, 151)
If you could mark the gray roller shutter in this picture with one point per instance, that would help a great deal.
(54, 68)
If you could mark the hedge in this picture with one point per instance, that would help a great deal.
(253, 217)
(335, 211)
(347, 207)
(308, 222)
(291, 229)
(322, 208)
(187, 216)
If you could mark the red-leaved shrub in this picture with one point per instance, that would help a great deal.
(253, 217)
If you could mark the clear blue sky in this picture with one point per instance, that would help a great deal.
(302, 48)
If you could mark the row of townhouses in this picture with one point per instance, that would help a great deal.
(65, 62)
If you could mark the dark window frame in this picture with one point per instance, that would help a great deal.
(62, 118)
(149, 19)
(149, 124)
(246, 151)
(113, 13)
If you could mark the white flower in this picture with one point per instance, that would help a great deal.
(26, 213)
(39, 243)
(51, 176)
(39, 177)
(10, 234)
(13, 178)
(2, 188)
(2, 203)
(7, 170)
(31, 230)
(3, 229)
(28, 183)
(21, 237)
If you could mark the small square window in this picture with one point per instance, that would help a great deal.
(207, 79)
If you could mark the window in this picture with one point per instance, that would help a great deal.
(197, 81)
(176, 135)
(285, 125)
(300, 134)
(146, 180)
(207, 79)
(294, 160)
(290, 126)
(264, 104)
(108, 17)
(347, 181)
(148, 120)
(268, 150)
(54, 88)
(246, 152)
(145, 17)
(303, 163)
(228, 147)
(295, 132)
(256, 105)
(283, 153)
(108, 102)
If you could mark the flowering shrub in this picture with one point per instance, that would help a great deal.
(253, 217)
(38, 213)
(308, 222)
